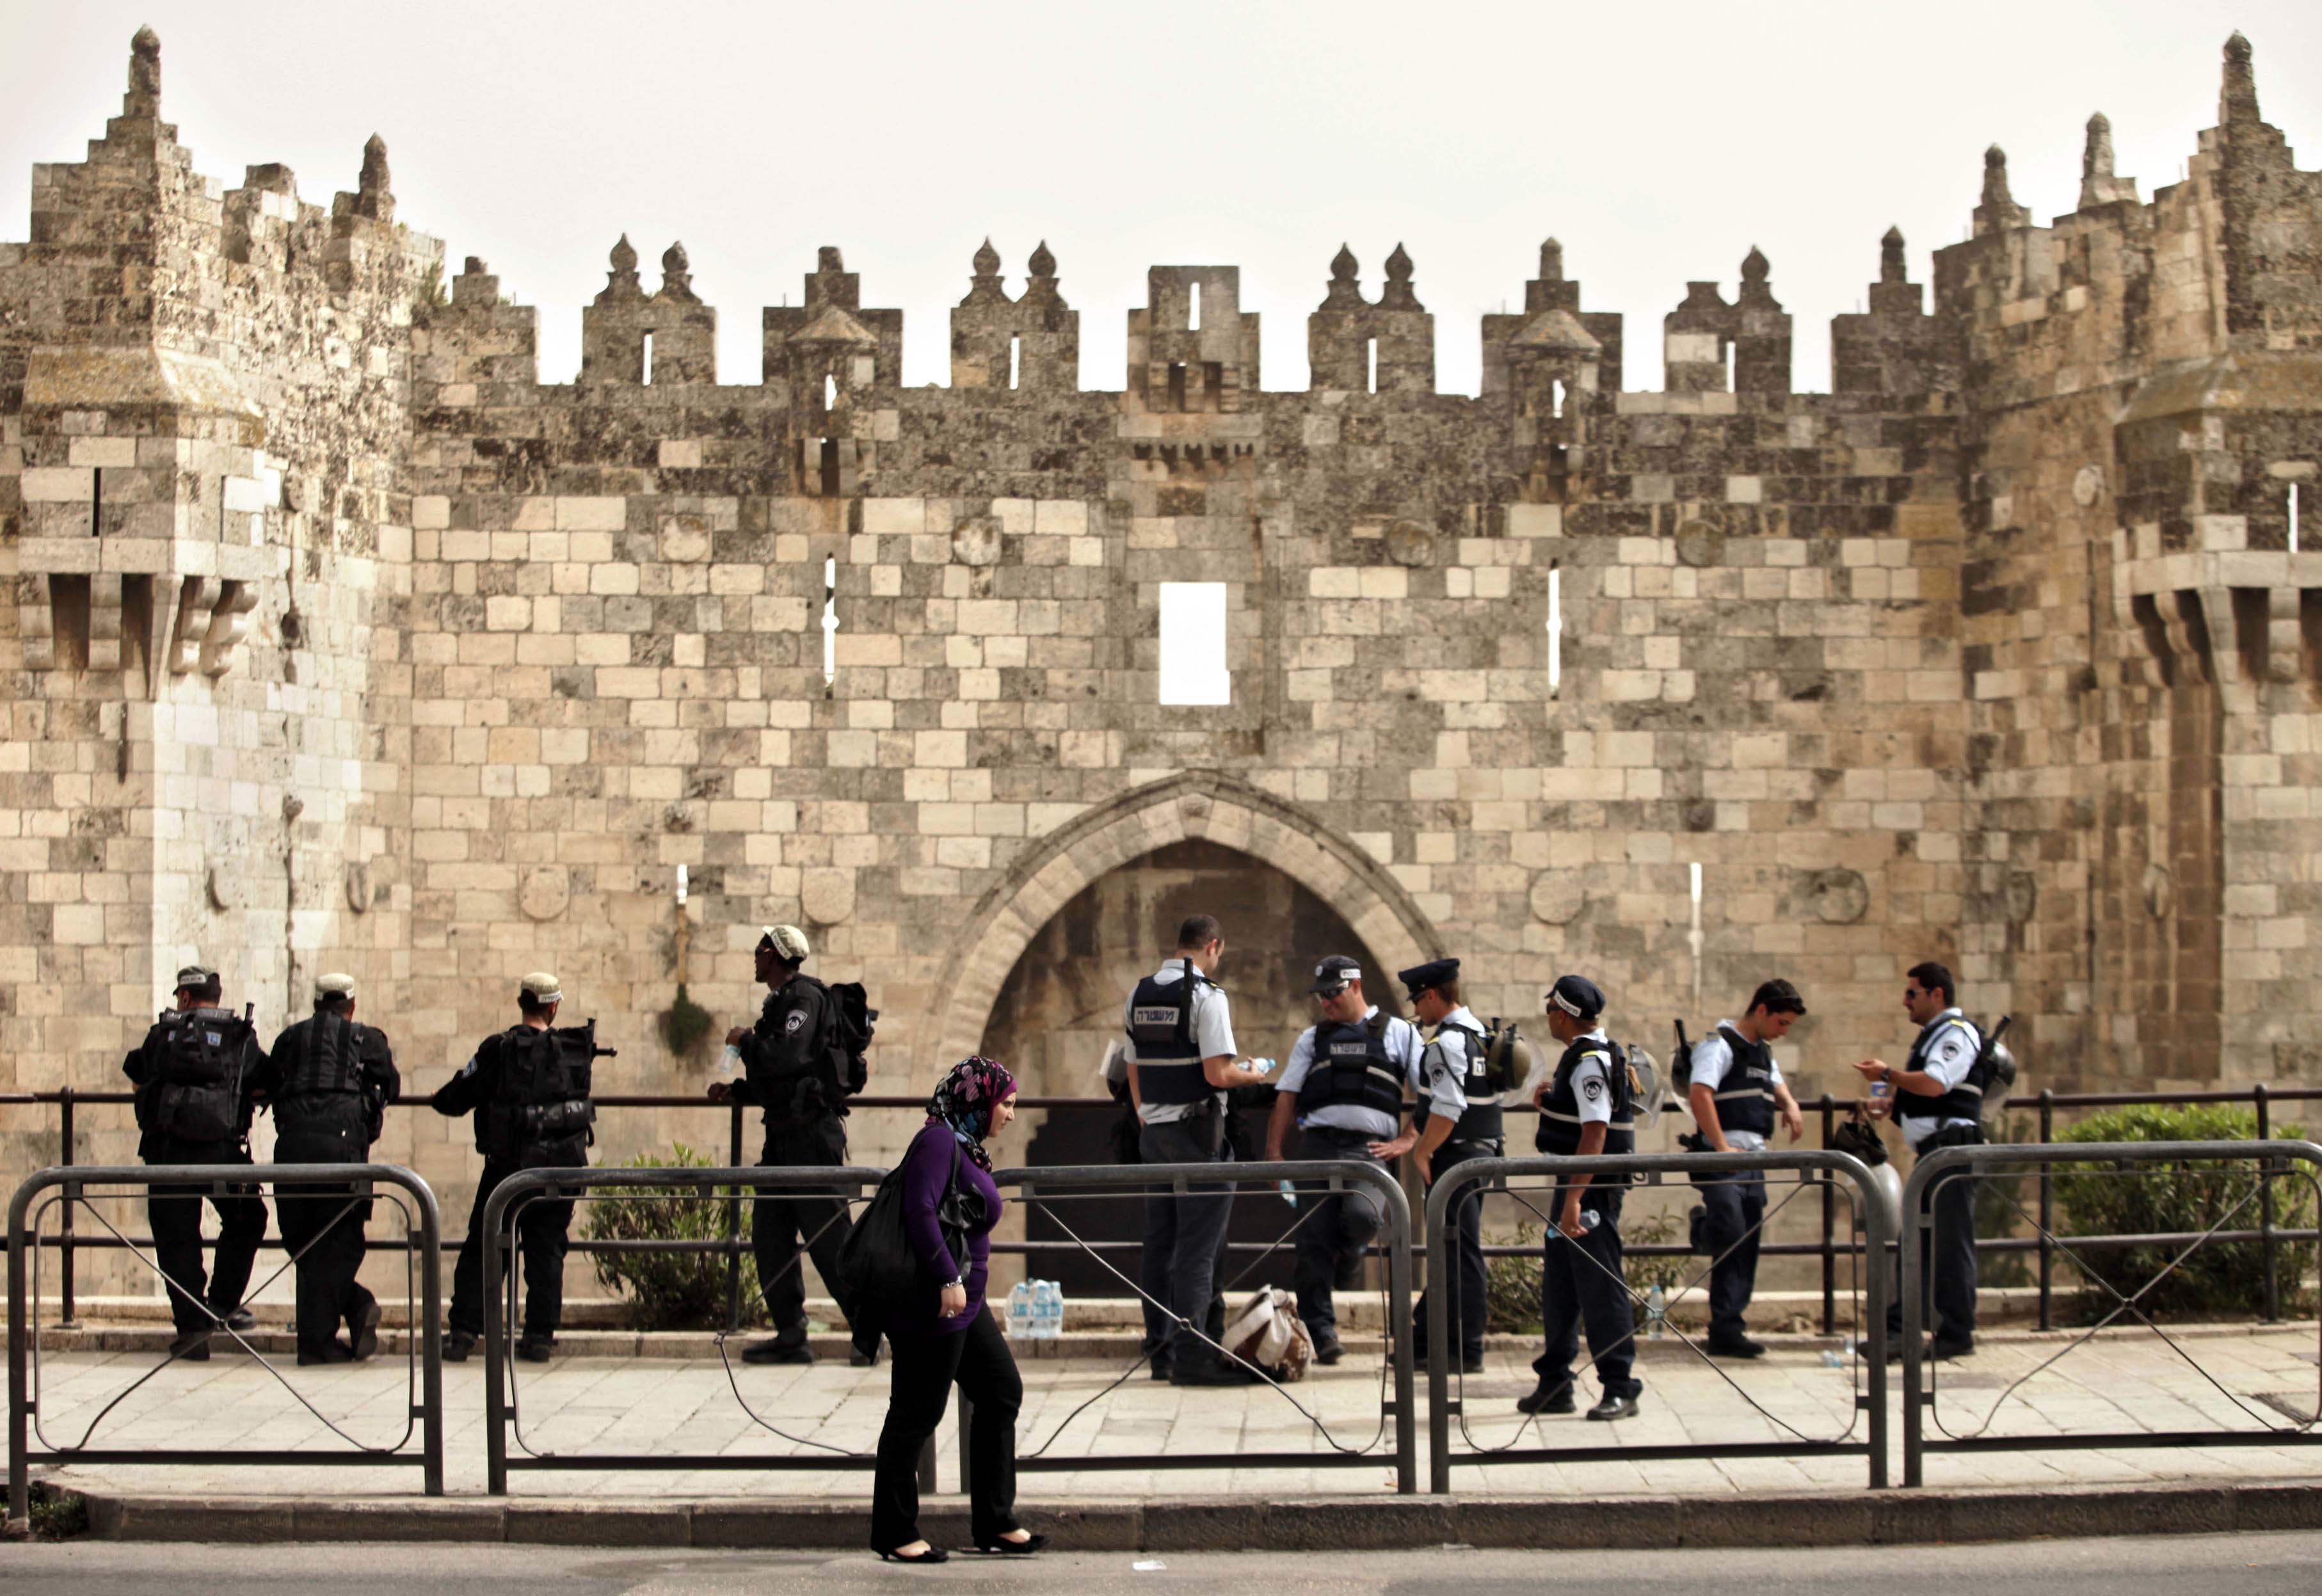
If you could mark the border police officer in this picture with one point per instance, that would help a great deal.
(1585, 1108)
(1938, 1100)
(528, 1087)
(786, 1071)
(195, 1074)
(1343, 1084)
(1736, 1091)
(1460, 1107)
(1180, 1060)
(330, 1080)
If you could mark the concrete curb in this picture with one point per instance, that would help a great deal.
(1615, 1523)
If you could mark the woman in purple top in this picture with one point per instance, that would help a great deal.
(952, 1337)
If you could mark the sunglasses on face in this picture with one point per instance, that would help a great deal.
(1330, 992)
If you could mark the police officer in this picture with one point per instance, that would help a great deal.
(1180, 1063)
(195, 1074)
(1937, 1098)
(329, 1080)
(528, 1088)
(786, 1072)
(1461, 1120)
(1736, 1092)
(1343, 1084)
(1585, 1108)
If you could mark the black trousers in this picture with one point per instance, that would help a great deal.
(1464, 1230)
(175, 1213)
(323, 1227)
(543, 1228)
(925, 1367)
(778, 1225)
(1733, 1204)
(1344, 1223)
(1947, 1267)
(1581, 1284)
(1183, 1263)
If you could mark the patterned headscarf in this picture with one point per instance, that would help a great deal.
(964, 1100)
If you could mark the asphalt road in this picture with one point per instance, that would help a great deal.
(2213, 1565)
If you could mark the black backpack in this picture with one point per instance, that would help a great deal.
(196, 1089)
(540, 1116)
(848, 1025)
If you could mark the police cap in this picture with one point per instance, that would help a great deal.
(193, 977)
(786, 943)
(1421, 978)
(1577, 996)
(331, 988)
(1333, 974)
(541, 988)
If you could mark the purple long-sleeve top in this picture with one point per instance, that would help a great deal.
(927, 1174)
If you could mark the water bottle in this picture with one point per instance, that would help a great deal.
(1019, 1311)
(1289, 1192)
(1880, 1090)
(1048, 1309)
(1831, 1359)
(729, 1062)
(1261, 1067)
(1656, 1310)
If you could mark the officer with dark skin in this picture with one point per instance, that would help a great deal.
(194, 1074)
(329, 1079)
(484, 1087)
(785, 1073)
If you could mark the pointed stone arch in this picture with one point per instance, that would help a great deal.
(1208, 805)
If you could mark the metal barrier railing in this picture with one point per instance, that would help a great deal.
(349, 1180)
(1970, 1161)
(1443, 1275)
(1315, 1179)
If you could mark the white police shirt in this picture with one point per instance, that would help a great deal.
(1212, 1035)
(1403, 1045)
(1590, 1089)
(1713, 1056)
(1950, 1056)
(1443, 1066)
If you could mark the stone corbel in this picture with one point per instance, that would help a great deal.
(229, 624)
(211, 619)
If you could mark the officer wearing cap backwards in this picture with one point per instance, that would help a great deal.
(194, 1074)
(329, 1080)
(1460, 1120)
(785, 1073)
(1343, 1084)
(528, 1089)
(1584, 1109)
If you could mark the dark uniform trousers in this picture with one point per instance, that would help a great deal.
(1342, 1225)
(541, 1224)
(323, 1227)
(1181, 1269)
(1464, 1228)
(1947, 1270)
(1581, 1284)
(175, 1213)
(1733, 1204)
(778, 1224)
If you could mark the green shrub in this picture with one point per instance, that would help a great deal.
(670, 1290)
(2217, 1278)
(684, 1022)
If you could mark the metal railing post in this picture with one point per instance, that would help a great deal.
(1915, 1217)
(1398, 1331)
(431, 1336)
(1829, 1228)
(2047, 1216)
(20, 1313)
(496, 1209)
(70, 1318)
(1446, 1190)
(734, 1224)
(2265, 1210)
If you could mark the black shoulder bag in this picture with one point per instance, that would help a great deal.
(877, 1262)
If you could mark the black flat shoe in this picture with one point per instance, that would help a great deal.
(1005, 1547)
(932, 1555)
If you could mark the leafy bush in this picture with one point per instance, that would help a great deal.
(684, 1022)
(1511, 1284)
(2217, 1278)
(670, 1290)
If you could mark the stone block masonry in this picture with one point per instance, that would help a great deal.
(340, 641)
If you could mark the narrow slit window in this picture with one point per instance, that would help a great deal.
(1193, 306)
(1194, 644)
(830, 622)
(2293, 517)
(644, 359)
(97, 501)
(1370, 365)
(1554, 399)
(829, 392)
(1693, 938)
(1178, 386)
(829, 464)
(1728, 367)
(1015, 361)
(1555, 630)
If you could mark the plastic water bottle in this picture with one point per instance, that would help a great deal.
(1047, 1310)
(1019, 1311)
(729, 1062)
(1289, 1192)
(1656, 1310)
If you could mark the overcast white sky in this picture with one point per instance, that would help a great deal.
(1658, 141)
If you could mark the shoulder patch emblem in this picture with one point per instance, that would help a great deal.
(1593, 1088)
(796, 1020)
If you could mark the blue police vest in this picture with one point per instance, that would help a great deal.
(1745, 1097)
(1483, 1120)
(1161, 1028)
(1963, 1101)
(1559, 1111)
(1351, 1065)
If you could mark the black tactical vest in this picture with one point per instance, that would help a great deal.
(198, 1057)
(323, 1092)
(1161, 1028)
(1559, 1111)
(1963, 1101)
(1482, 1120)
(1745, 1097)
(1351, 1065)
(539, 1114)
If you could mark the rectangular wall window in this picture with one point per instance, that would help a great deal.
(1194, 644)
